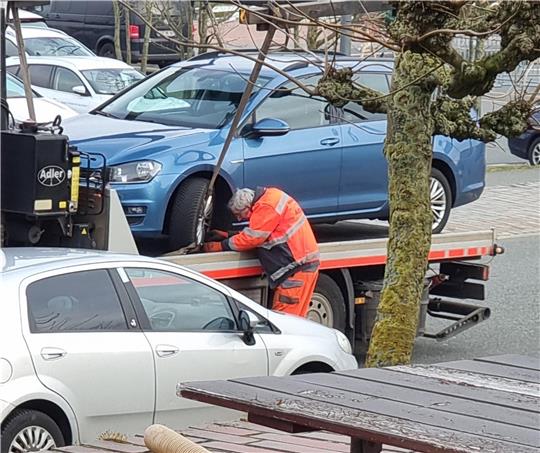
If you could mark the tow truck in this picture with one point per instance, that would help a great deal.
(53, 195)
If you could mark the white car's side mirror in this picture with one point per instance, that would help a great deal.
(79, 89)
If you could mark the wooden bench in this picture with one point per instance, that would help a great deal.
(489, 404)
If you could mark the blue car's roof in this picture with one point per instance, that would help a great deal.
(284, 61)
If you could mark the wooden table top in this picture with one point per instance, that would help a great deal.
(489, 404)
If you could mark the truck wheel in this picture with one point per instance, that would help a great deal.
(186, 213)
(534, 152)
(107, 50)
(441, 200)
(30, 430)
(327, 306)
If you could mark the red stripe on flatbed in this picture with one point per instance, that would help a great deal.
(252, 271)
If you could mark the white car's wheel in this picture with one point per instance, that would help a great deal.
(30, 430)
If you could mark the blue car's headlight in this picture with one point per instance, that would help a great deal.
(132, 172)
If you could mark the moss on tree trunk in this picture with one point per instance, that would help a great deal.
(408, 150)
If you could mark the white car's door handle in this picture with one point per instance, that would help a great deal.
(52, 353)
(165, 350)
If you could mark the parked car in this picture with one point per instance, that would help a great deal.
(28, 19)
(163, 136)
(527, 145)
(43, 41)
(92, 23)
(46, 109)
(82, 83)
(95, 341)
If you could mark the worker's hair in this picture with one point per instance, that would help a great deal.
(241, 200)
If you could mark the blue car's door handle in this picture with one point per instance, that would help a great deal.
(329, 141)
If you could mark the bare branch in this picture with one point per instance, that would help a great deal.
(217, 48)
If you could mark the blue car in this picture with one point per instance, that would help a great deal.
(162, 138)
(527, 145)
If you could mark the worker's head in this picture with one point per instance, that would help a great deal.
(240, 203)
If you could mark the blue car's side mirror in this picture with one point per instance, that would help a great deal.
(267, 127)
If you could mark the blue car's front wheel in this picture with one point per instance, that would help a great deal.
(186, 212)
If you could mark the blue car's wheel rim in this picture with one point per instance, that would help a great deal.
(438, 201)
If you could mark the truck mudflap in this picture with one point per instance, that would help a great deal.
(464, 316)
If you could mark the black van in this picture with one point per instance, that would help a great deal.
(92, 23)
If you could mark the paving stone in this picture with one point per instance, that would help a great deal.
(235, 448)
(306, 442)
(204, 434)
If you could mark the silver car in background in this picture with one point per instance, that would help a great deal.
(80, 82)
(94, 341)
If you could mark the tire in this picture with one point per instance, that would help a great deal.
(186, 212)
(33, 430)
(534, 152)
(441, 200)
(327, 306)
(107, 50)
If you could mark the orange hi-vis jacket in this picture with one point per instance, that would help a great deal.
(281, 233)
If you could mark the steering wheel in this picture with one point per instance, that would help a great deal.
(219, 323)
(162, 319)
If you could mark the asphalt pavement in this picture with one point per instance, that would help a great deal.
(510, 204)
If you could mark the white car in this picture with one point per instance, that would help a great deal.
(82, 83)
(44, 41)
(94, 341)
(46, 110)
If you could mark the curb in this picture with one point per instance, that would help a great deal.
(509, 166)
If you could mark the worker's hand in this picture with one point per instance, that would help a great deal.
(212, 247)
(216, 235)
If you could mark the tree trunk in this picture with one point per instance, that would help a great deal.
(408, 151)
(202, 24)
(117, 25)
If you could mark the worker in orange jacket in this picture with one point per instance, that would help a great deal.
(285, 244)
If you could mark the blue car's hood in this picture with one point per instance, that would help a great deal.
(123, 141)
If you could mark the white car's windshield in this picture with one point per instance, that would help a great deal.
(111, 81)
(15, 88)
(55, 47)
(189, 97)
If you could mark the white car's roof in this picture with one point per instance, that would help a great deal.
(39, 259)
(39, 32)
(82, 63)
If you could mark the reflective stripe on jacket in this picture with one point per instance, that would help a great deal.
(281, 233)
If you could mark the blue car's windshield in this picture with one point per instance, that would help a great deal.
(188, 97)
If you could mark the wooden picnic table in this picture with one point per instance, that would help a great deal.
(489, 404)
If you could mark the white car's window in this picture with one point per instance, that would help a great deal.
(77, 301)
(293, 106)
(174, 303)
(15, 88)
(11, 49)
(111, 81)
(65, 80)
(55, 47)
(40, 75)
